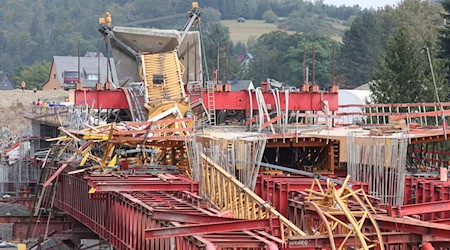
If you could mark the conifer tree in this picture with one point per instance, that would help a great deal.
(359, 55)
(404, 74)
(444, 36)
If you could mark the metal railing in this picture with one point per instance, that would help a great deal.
(73, 117)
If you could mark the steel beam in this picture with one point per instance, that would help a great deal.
(141, 183)
(238, 100)
(142, 186)
(207, 228)
(63, 166)
(121, 218)
(106, 99)
(412, 226)
(188, 218)
(445, 221)
(420, 208)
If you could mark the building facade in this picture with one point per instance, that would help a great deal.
(93, 69)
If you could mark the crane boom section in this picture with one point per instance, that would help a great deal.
(162, 74)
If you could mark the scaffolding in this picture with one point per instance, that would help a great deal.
(239, 154)
(381, 162)
(18, 167)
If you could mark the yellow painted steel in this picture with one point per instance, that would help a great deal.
(332, 204)
(163, 77)
(229, 194)
(170, 68)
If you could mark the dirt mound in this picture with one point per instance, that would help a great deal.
(17, 98)
(14, 104)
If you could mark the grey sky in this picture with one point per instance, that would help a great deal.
(363, 3)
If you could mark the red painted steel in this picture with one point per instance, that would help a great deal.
(301, 101)
(240, 100)
(427, 246)
(38, 227)
(142, 183)
(278, 189)
(412, 226)
(420, 208)
(425, 231)
(419, 190)
(121, 218)
(170, 215)
(212, 227)
(322, 241)
(64, 165)
(110, 99)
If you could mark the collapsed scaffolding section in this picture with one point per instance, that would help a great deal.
(240, 154)
(381, 162)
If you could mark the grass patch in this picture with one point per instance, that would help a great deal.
(255, 28)
(251, 28)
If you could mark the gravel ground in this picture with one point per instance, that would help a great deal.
(13, 209)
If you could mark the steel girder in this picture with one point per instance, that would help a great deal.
(122, 218)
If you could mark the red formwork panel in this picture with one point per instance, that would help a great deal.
(427, 193)
(278, 189)
(410, 184)
(123, 217)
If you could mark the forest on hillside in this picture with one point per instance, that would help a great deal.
(379, 45)
(33, 31)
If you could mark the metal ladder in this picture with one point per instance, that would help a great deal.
(197, 105)
(211, 103)
(42, 202)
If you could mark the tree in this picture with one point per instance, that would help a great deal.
(279, 55)
(262, 67)
(269, 16)
(368, 34)
(210, 16)
(263, 6)
(403, 75)
(360, 51)
(216, 36)
(444, 36)
(34, 75)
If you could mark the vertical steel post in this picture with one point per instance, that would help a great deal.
(314, 64)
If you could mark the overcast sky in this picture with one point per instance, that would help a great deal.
(363, 3)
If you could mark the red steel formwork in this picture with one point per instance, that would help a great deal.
(157, 219)
(426, 198)
(398, 233)
(226, 100)
(279, 189)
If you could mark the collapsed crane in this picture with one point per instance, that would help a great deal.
(157, 65)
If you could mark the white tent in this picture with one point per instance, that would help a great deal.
(352, 96)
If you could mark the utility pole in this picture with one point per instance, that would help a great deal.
(443, 170)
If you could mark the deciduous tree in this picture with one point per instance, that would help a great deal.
(34, 75)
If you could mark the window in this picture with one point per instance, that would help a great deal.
(92, 77)
(70, 74)
(54, 76)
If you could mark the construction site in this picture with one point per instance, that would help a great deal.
(161, 158)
